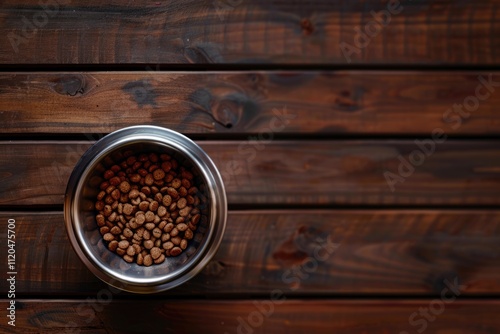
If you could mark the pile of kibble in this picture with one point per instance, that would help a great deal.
(149, 207)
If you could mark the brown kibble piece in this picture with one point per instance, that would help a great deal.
(112, 216)
(140, 218)
(104, 185)
(155, 253)
(168, 228)
(160, 259)
(148, 244)
(169, 178)
(149, 216)
(158, 196)
(175, 251)
(162, 211)
(176, 240)
(123, 244)
(109, 199)
(116, 230)
(115, 194)
(142, 172)
(167, 200)
(130, 251)
(113, 245)
(108, 237)
(186, 183)
(188, 234)
(133, 224)
(166, 166)
(158, 174)
(133, 194)
(182, 227)
(107, 210)
(187, 175)
(124, 198)
(168, 245)
(99, 205)
(124, 187)
(146, 190)
(127, 233)
(176, 183)
(100, 220)
(114, 181)
(172, 192)
(128, 209)
(148, 260)
(153, 206)
(183, 192)
(149, 180)
(195, 219)
(101, 195)
(108, 174)
(183, 244)
(140, 259)
(131, 160)
(184, 212)
(181, 203)
(144, 206)
(128, 258)
(157, 232)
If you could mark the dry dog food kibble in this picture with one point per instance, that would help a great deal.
(148, 208)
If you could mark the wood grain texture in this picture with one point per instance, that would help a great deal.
(242, 316)
(325, 102)
(329, 172)
(302, 253)
(257, 32)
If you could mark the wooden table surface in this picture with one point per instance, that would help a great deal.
(366, 128)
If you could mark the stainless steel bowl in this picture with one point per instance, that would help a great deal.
(79, 212)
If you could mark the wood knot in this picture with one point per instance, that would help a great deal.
(301, 245)
(70, 85)
(307, 27)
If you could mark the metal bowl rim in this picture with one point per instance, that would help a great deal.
(151, 135)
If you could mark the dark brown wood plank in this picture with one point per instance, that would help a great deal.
(326, 102)
(329, 172)
(393, 252)
(243, 316)
(257, 32)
